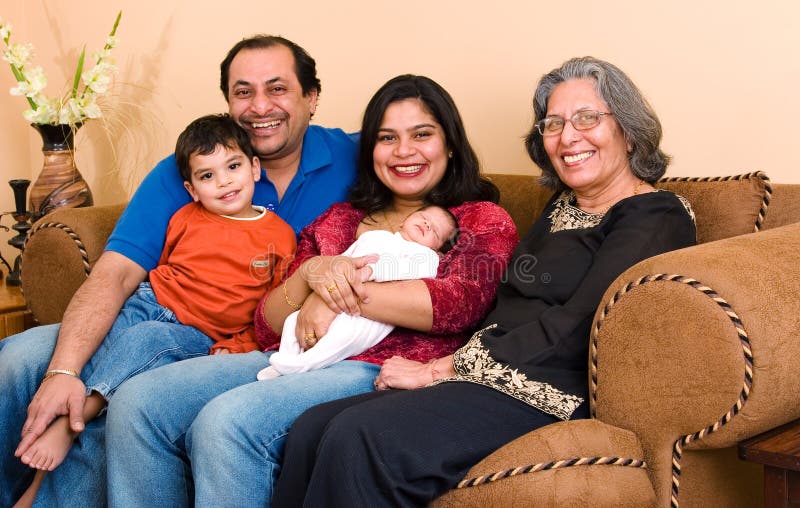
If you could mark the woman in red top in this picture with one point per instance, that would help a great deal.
(413, 152)
(228, 436)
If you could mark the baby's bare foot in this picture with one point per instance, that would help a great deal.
(49, 449)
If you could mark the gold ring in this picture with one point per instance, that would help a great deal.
(331, 288)
(311, 336)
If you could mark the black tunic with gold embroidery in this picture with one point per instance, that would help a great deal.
(535, 346)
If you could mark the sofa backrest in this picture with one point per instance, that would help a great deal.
(723, 206)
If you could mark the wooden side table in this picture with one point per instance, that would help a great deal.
(14, 314)
(779, 451)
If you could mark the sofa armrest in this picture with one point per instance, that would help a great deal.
(692, 351)
(572, 463)
(697, 349)
(59, 253)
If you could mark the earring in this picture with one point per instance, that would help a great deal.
(450, 154)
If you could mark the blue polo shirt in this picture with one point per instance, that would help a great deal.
(327, 170)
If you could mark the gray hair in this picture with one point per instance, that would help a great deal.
(638, 121)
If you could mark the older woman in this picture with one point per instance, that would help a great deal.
(597, 142)
(213, 424)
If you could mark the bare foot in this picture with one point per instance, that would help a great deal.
(26, 501)
(49, 449)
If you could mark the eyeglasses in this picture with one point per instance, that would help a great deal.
(582, 120)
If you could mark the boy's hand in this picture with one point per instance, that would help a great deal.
(221, 351)
(57, 396)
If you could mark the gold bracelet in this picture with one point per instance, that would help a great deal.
(54, 372)
(289, 302)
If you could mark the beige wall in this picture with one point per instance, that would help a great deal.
(721, 74)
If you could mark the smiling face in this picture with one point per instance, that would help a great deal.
(431, 227)
(410, 155)
(587, 161)
(266, 99)
(224, 181)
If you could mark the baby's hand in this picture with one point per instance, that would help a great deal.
(365, 273)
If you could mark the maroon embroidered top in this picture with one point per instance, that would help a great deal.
(462, 293)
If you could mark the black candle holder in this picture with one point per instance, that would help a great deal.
(23, 217)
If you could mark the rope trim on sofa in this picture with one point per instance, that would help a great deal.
(72, 234)
(677, 451)
(558, 464)
(762, 212)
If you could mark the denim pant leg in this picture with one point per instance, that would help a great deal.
(144, 336)
(80, 479)
(147, 422)
(153, 419)
(23, 361)
(236, 443)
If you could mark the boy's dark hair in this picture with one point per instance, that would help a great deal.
(204, 135)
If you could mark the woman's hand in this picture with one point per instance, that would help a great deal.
(338, 280)
(399, 373)
(313, 321)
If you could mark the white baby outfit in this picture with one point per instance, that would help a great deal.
(348, 336)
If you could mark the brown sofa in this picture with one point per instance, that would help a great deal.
(691, 352)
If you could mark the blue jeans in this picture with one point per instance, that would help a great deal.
(145, 335)
(205, 431)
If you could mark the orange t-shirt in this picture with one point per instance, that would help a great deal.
(214, 270)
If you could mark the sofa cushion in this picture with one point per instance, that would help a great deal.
(724, 206)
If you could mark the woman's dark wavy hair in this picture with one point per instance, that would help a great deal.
(635, 116)
(462, 180)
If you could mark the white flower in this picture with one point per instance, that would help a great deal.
(92, 110)
(83, 107)
(103, 54)
(45, 112)
(36, 82)
(37, 79)
(98, 78)
(77, 104)
(18, 55)
(5, 30)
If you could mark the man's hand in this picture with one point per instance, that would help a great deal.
(57, 396)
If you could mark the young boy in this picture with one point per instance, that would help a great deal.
(221, 254)
(411, 253)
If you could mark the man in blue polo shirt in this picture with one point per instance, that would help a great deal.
(271, 88)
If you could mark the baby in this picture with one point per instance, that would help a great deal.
(408, 254)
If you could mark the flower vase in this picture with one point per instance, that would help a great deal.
(60, 184)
